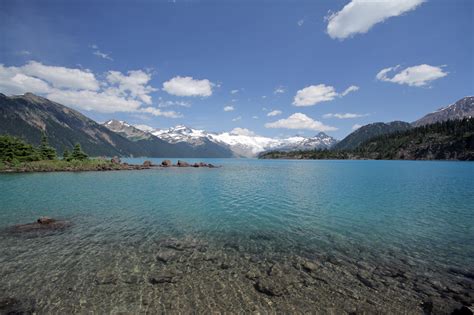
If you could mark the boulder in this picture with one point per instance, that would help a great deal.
(196, 165)
(182, 163)
(45, 220)
(166, 163)
(115, 160)
(42, 224)
(202, 164)
(147, 164)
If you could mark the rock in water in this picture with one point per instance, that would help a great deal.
(166, 163)
(147, 164)
(45, 220)
(182, 163)
(43, 224)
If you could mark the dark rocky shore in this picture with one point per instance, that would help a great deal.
(190, 275)
(114, 164)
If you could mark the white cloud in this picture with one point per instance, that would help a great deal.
(300, 121)
(359, 16)
(254, 117)
(104, 102)
(145, 128)
(300, 22)
(242, 132)
(237, 118)
(61, 77)
(159, 112)
(102, 55)
(313, 94)
(12, 81)
(279, 90)
(24, 53)
(80, 89)
(234, 91)
(187, 86)
(264, 96)
(356, 126)
(135, 83)
(228, 108)
(413, 76)
(163, 104)
(344, 116)
(350, 89)
(274, 113)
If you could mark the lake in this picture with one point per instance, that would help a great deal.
(253, 235)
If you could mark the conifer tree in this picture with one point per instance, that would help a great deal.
(78, 154)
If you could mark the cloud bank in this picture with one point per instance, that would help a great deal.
(80, 88)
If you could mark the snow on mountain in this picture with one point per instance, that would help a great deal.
(243, 144)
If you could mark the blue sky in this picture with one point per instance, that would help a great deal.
(192, 59)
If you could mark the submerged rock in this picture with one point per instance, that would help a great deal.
(41, 224)
(10, 305)
(45, 220)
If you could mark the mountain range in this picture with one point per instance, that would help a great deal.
(241, 144)
(28, 115)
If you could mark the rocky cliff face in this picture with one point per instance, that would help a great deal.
(461, 109)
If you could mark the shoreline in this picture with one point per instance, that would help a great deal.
(96, 165)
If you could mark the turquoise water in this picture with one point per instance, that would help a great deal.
(421, 213)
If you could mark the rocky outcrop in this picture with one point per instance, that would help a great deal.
(41, 224)
(147, 164)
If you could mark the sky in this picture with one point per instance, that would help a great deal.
(257, 67)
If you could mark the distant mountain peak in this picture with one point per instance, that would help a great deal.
(458, 110)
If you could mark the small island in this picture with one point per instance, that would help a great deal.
(18, 156)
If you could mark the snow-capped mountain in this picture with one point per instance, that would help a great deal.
(126, 130)
(459, 110)
(243, 144)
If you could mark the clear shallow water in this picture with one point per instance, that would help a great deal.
(417, 216)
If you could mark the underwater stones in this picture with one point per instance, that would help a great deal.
(105, 277)
(365, 280)
(269, 287)
(166, 163)
(165, 277)
(165, 255)
(11, 305)
(309, 266)
(463, 310)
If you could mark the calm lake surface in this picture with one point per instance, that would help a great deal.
(388, 236)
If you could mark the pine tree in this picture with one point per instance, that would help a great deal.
(67, 155)
(78, 154)
(46, 152)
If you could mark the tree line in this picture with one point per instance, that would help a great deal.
(14, 150)
(448, 139)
